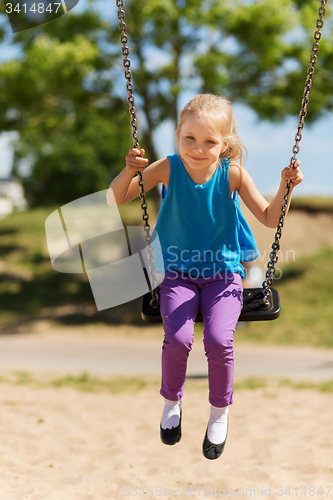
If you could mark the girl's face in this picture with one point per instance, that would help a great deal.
(200, 145)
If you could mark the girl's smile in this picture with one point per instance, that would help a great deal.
(197, 159)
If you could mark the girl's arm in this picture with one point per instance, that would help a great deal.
(267, 213)
(125, 188)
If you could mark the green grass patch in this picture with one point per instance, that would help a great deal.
(326, 386)
(312, 204)
(85, 382)
(31, 288)
(23, 378)
(251, 383)
(306, 294)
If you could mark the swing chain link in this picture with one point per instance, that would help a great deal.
(130, 98)
(273, 256)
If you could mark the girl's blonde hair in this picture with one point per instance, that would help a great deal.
(223, 121)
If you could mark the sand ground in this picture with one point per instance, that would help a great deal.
(63, 444)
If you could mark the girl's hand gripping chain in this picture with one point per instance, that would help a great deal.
(135, 161)
(292, 174)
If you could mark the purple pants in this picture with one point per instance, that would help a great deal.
(220, 300)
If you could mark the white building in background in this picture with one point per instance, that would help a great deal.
(11, 196)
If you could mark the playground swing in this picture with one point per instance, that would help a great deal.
(258, 303)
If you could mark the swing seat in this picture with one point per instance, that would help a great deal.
(253, 307)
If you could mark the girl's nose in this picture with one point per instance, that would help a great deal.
(198, 149)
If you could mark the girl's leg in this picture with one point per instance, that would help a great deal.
(179, 307)
(221, 305)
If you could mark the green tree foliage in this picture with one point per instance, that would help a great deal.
(253, 52)
(58, 97)
(272, 47)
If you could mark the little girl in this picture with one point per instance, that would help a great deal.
(198, 233)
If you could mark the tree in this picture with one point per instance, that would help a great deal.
(272, 47)
(256, 53)
(58, 97)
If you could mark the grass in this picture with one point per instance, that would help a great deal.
(251, 383)
(29, 286)
(84, 382)
(306, 295)
(326, 386)
(313, 204)
(30, 289)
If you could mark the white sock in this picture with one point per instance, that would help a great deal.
(218, 424)
(171, 414)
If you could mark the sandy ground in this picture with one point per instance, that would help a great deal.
(62, 444)
(58, 443)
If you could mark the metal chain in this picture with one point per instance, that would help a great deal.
(276, 245)
(130, 97)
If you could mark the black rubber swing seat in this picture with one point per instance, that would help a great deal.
(253, 309)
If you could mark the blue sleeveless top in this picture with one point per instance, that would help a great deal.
(201, 228)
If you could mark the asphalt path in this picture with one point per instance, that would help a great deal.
(104, 356)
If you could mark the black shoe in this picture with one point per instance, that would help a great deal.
(211, 450)
(172, 436)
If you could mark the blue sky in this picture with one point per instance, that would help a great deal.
(269, 145)
(270, 149)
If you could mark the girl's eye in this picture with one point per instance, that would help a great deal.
(190, 137)
(210, 142)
